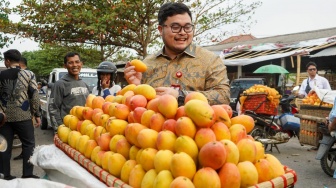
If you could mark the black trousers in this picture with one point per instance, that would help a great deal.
(25, 131)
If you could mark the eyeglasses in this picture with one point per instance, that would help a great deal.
(176, 28)
(312, 69)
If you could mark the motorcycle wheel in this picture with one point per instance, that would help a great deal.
(328, 162)
(258, 132)
(16, 142)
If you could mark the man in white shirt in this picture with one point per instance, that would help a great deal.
(313, 80)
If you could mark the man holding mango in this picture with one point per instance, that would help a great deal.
(181, 66)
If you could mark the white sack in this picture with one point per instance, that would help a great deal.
(325, 95)
(30, 182)
(62, 168)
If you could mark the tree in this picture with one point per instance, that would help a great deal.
(41, 62)
(4, 21)
(114, 24)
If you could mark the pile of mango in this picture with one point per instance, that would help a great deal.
(313, 99)
(272, 94)
(146, 140)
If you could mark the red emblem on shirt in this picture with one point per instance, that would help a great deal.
(178, 74)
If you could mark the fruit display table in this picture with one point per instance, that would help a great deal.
(97, 171)
(284, 181)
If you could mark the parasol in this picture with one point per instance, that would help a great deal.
(271, 69)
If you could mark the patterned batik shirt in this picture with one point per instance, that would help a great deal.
(19, 98)
(202, 71)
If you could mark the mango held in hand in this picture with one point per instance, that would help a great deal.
(139, 65)
(200, 112)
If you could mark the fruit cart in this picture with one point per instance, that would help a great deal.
(314, 109)
(286, 180)
(130, 144)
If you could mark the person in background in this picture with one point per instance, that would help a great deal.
(44, 86)
(181, 66)
(106, 72)
(23, 63)
(39, 87)
(68, 91)
(19, 99)
(313, 80)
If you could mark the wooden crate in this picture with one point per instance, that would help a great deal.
(298, 103)
(287, 180)
(309, 133)
(313, 110)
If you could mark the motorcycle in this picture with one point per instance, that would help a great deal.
(281, 127)
(326, 152)
(3, 143)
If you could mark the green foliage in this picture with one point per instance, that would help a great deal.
(5, 40)
(114, 24)
(41, 62)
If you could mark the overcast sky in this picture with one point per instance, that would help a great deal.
(274, 17)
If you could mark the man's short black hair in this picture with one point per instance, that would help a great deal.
(12, 55)
(24, 61)
(70, 54)
(171, 9)
(311, 63)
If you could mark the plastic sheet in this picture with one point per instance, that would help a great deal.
(325, 95)
(61, 168)
(37, 183)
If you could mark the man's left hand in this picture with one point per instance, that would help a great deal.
(167, 90)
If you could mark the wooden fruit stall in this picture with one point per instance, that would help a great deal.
(310, 117)
(90, 166)
(284, 181)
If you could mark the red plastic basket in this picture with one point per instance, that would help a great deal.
(259, 104)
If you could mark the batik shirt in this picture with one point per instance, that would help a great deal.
(19, 98)
(201, 70)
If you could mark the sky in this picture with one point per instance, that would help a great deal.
(274, 17)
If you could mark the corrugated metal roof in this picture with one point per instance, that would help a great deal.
(280, 39)
(293, 51)
(331, 51)
(257, 50)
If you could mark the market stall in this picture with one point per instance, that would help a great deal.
(314, 109)
(128, 146)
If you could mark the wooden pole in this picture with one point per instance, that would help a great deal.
(298, 70)
(292, 60)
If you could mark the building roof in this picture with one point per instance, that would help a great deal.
(239, 38)
(262, 49)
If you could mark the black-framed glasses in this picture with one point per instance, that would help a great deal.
(176, 28)
(312, 69)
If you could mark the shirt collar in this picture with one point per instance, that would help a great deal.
(190, 50)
